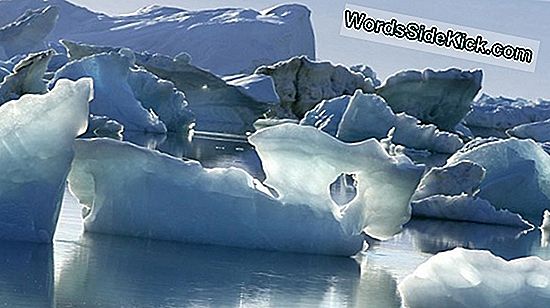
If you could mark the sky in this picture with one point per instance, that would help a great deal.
(512, 17)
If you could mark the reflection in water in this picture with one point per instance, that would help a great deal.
(26, 275)
(212, 150)
(109, 271)
(377, 288)
(433, 236)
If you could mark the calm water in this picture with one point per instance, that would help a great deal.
(93, 270)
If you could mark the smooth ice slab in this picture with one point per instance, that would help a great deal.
(476, 278)
(439, 97)
(538, 131)
(36, 149)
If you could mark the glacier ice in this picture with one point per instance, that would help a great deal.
(516, 175)
(28, 32)
(126, 189)
(364, 116)
(137, 99)
(302, 83)
(453, 179)
(301, 162)
(538, 131)
(505, 113)
(27, 77)
(442, 98)
(476, 278)
(37, 133)
(224, 106)
(466, 208)
(102, 126)
(327, 115)
(225, 41)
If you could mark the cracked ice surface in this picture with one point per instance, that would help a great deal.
(36, 149)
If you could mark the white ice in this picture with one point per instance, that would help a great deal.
(225, 41)
(364, 116)
(37, 135)
(439, 97)
(476, 278)
(126, 189)
(135, 98)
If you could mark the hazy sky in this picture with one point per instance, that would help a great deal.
(515, 17)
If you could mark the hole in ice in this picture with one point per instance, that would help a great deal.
(343, 189)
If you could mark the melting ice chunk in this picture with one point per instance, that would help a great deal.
(36, 149)
(134, 191)
(476, 278)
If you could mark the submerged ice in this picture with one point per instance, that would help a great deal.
(37, 134)
(133, 191)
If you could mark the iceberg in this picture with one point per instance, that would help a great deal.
(135, 98)
(224, 41)
(221, 106)
(505, 113)
(453, 179)
(302, 83)
(130, 190)
(27, 77)
(363, 116)
(477, 278)
(442, 98)
(516, 175)
(466, 208)
(37, 133)
(538, 131)
(28, 32)
(102, 126)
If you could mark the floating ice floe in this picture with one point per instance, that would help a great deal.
(37, 133)
(135, 98)
(503, 113)
(364, 116)
(28, 32)
(302, 83)
(453, 179)
(538, 131)
(516, 175)
(102, 126)
(449, 193)
(227, 105)
(476, 278)
(225, 41)
(439, 97)
(126, 189)
(27, 77)
(466, 208)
